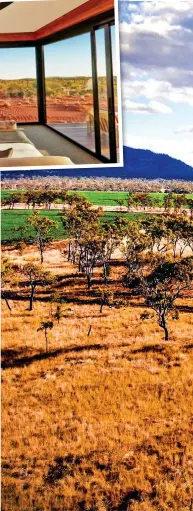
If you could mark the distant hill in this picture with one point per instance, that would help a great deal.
(143, 163)
(138, 163)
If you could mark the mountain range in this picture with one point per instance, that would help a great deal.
(138, 163)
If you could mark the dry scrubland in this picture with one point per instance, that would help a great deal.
(99, 423)
(94, 184)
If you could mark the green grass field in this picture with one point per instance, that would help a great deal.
(14, 222)
(6, 193)
(101, 198)
(111, 198)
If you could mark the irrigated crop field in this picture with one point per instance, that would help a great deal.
(13, 223)
(103, 198)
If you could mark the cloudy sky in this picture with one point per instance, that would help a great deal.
(156, 38)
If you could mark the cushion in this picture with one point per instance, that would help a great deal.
(6, 153)
(8, 125)
(35, 161)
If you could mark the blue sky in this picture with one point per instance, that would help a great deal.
(156, 44)
(71, 57)
(156, 38)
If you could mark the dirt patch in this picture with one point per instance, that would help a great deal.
(66, 110)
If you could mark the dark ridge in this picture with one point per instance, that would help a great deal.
(138, 163)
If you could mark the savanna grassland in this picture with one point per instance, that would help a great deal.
(101, 421)
(97, 329)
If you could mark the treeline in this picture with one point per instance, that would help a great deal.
(55, 86)
(98, 184)
(133, 201)
(21, 88)
(157, 253)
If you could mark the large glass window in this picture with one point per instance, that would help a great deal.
(18, 89)
(69, 89)
(71, 76)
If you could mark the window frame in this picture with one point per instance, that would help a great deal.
(90, 26)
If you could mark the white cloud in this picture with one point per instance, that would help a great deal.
(157, 72)
(157, 36)
(182, 151)
(153, 107)
(156, 90)
(185, 129)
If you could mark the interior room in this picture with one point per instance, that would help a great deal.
(58, 83)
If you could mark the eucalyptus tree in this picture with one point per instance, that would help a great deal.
(45, 326)
(163, 286)
(44, 231)
(79, 219)
(112, 235)
(143, 199)
(190, 207)
(106, 298)
(7, 276)
(137, 244)
(180, 202)
(168, 202)
(12, 199)
(90, 247)
(181, 234)
(35, 277)
(159, 233)
(32, 198)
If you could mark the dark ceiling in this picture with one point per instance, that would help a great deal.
(4, 4)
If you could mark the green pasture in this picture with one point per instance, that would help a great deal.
(112, 198)
(14, 222)
(6, 193)
(102, 198)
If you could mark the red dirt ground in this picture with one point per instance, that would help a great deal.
(66, 110)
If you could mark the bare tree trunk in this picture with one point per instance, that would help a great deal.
(51, 309)
(175, 250)
(69, 250)
(164, 326)
(31, 298)
(105, 273)
(6, 301)
(88, 280)
(89, 330)
(101, 307)
(46, 338)
(41, 252)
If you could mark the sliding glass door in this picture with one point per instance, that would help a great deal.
(69, 89)
(115, 87)
(79, 86)
(102, 92)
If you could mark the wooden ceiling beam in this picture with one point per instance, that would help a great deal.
(84, 12)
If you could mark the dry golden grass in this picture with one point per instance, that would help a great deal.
(102, 422)
(70, 284)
